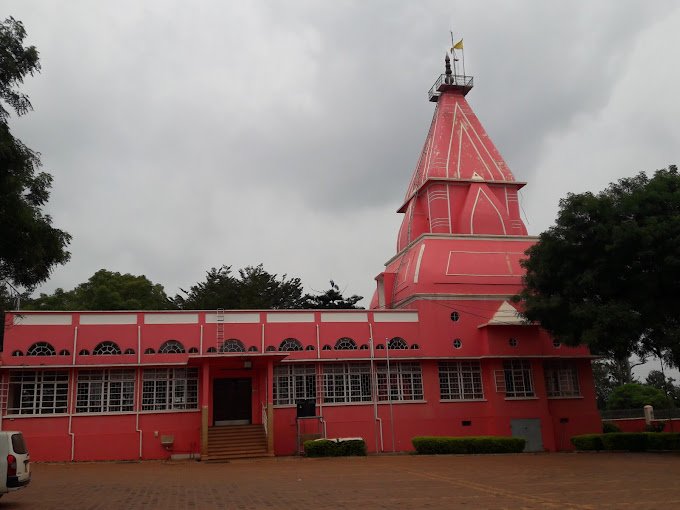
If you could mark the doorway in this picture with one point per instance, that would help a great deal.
(530, 430)
(232, 401)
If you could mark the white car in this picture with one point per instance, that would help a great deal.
(15, 469)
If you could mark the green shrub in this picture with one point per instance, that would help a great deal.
(663, 441)
(655, 426)
(588, 442)
(608, 428)
(334, 448)
(631, 441)
(435, 445)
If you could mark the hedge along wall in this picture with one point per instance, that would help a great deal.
(638, 424)
(334, 448)
(628, 441)
(435, 445)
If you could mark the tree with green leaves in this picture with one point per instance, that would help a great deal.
(106, 290)
(332, 299)
(29, 245)
(636, 396)
(657, 379)
(253, 288)
(607, 274)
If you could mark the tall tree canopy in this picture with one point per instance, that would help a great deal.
(253, 288)
(332, 298)
(29, 246)
(106, 290)
(607, 274)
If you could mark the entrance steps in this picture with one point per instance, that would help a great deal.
(236, 442)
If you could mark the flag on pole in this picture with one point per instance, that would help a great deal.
(457, 46)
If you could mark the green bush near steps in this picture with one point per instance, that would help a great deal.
(335, 448)
(628, 441)
(438, 445)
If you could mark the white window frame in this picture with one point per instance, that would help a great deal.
(294, 382)
(561, 379)
(105, 390)
(37, 392)
(347, 382)
(405, 382)
(169, 389)
(518, 379)
(460, 380)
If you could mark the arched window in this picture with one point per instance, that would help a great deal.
(149, 350)
(106, 348)
(64, 352)
(129, 351)
(171, 347)
(397, 343)
(364, 347)
(345, 344)
(252, 348)
(326, 348)
(212, 349)
(84, 352)
(309, 348)
(380, 346)
(290, 344)
(232, 345)
(270, 348)
(41, 349)
(415, 346)
(17, 353)
(193, 350)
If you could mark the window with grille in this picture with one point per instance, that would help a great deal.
(347, 382)
(106, 348)
(517, 378)
(105, 391)
(290, 344)
(403, 381)
(232, 345)
(397, 343)
(345, 344)
(37, 392)
(561, 379)
(460, 380)
(171, 347)
(41, 349)
(294, 382)
(165, 389)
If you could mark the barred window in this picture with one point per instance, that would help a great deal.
(345, 344)
(294, 382)
(232, 345)
(169, 388)
(37, 392)
(106, 348)
(171, 347)
(405, 381)
(41, 349)
(518, 379)
(290, 344)
(561, 379)
(460, 380)
(347, 382)
(105, 391)
(397, 343)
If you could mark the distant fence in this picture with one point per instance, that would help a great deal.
(622, 414)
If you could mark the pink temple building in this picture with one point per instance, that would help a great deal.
(441, 351)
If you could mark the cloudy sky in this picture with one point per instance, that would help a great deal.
(183, 135)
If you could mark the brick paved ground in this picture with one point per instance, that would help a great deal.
(580, 481)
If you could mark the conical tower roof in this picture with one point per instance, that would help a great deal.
(461, 184)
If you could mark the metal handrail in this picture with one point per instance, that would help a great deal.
(456, 79)
(264, 419)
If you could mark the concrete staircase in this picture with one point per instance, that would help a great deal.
(236, 442)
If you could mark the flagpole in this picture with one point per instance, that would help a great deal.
(453, 56)
(462, 51)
